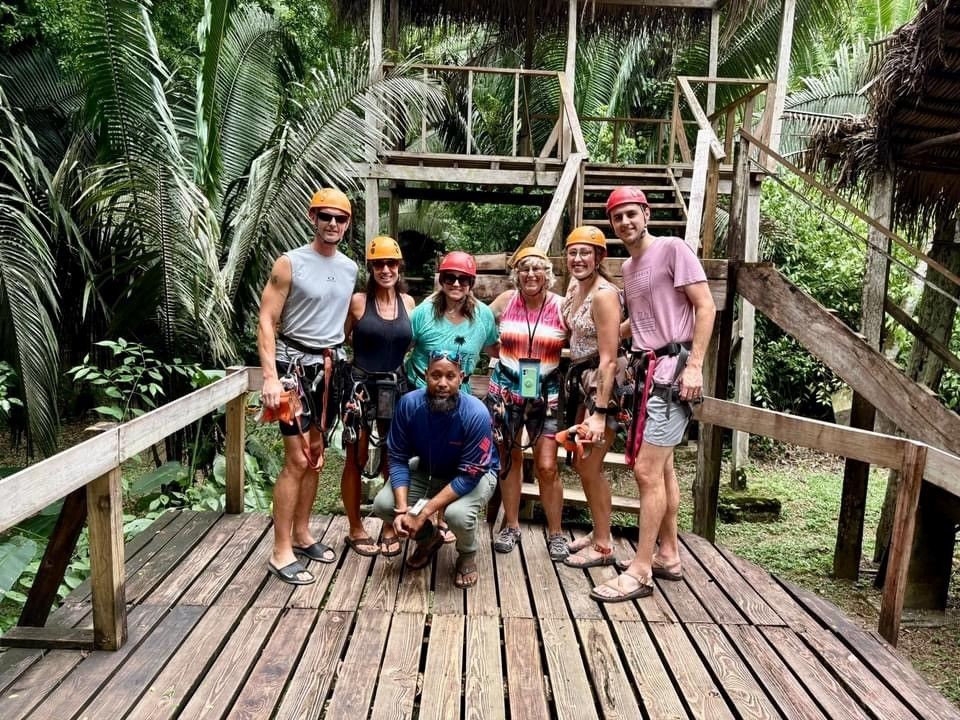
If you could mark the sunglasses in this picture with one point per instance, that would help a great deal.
(451, 279)
(330, 217)
(381, 264)
(453, 357)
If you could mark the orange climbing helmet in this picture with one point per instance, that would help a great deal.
(329, 198)
(624, 196)
(383, 247)
(532, 251)
(459, 261)
(587, 235)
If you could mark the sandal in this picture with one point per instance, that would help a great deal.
(361, 545)
(622, 588)
(390, 546)
(664, 573)
(557, 547)
(582, 559)
(425, 551)
(580, 543)
(291, 573)
(316, 552)
(466, 572)
(507, 539)
(446, 533)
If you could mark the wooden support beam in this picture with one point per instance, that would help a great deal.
(916, 329)
(787, 14)
(52, 638)
(554, 214)
(894, 588)
(474, 176)
(698, 187)
(56, 557)
(105, 516)
(715, 147)
(708, 230)
(235, 448)
(371, 188)
(712, 59)
(922, 147)
(684, 4)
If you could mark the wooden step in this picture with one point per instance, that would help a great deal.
(572, 496)
(611, 459)
(653, 206)
(597, 222)
(646, 188)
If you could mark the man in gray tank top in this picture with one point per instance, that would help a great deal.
(302, 313)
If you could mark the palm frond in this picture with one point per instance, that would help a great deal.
(27, 277)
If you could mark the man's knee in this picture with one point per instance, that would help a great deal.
(384, 503)
(461, 518)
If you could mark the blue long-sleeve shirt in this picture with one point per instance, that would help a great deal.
(456, 447)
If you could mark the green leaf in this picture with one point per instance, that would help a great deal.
(166, 474)
(16, 555)
(113, 392)
(16, 596)
(110, 411)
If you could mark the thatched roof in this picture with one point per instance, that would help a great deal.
(511, 16)
(914, 99)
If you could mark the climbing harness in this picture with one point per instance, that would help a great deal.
(369, 400)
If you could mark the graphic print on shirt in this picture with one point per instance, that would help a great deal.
(638, 290)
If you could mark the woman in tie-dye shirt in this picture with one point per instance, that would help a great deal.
(532, 334)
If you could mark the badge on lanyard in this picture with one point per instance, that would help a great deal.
(529, 378)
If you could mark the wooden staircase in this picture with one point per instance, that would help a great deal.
(667, 205)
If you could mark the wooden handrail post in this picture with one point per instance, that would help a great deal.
(516, 111)
(698, 187)
(469, 110)
(105, 518)
(235, 448)
(673, 121)
(901, 541)
(423, 119)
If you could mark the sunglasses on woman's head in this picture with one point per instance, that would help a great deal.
(331, 217)
(381, 264)
(451, 279)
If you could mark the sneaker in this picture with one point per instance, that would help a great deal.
(506, 540)
(557, 547)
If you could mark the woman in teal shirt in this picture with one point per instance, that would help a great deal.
(452, 319)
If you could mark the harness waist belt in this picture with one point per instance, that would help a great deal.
(297, 345)
(668, 350)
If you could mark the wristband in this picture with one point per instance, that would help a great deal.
(603, 410)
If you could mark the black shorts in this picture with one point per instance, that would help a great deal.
(312, 400)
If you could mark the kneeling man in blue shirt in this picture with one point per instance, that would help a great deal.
(441, 451)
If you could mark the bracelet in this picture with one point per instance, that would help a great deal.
(603, 410)
(398, 511)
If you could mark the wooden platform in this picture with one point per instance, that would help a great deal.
(211, 635)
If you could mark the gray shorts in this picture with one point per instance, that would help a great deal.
(661, 430)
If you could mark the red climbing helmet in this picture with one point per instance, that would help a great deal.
(624, 196)
(459, 261)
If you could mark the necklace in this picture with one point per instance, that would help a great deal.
(387, 311)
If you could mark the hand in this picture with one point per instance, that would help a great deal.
(399, 525)
(596, 426)
(691, 384)
(270, 393)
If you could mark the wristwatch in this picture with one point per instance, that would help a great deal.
(604, 410)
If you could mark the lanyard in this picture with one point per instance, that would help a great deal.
(526, 316)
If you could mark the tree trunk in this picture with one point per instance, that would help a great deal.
(936, 314)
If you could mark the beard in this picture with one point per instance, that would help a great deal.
(442, 404)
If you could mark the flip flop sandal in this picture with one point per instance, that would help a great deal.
(464, 569)
(661, 572)
(424, 553)
(316, 552)
(446, 533)
(290, 573)
(604, 557)
(640, 589)
(356, 544)
(391, 546)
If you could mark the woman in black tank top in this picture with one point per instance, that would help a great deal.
(378, 328)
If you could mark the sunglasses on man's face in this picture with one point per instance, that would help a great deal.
(381, 264)
(451, 279)
(331, 217)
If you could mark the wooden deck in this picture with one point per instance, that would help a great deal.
(211, 635)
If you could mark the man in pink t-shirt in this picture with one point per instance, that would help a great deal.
(670, 311)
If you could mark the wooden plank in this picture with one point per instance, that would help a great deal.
(554, 214)
(943, 470)
(576, 586)
(478, 69)
(653, 608)
(651, 678)
(142, 432)
(194, 563)
(483, 682)
(397, 685)
(414, 593)
(447, 598)
(512, 585)
(572, 695)
(22, 696)
(228, 561)
(613, 688)
(262, 689)
(698, 188)
(383, 584)
(168, 556)
(276, 593)
(440, 697)
(577, 498)
(871, 447)
(684, 4)
(107, 579)
(541, 574)
(683, 600)
(879, 656)
(939, 348)
(308, 687)
(473, 176)
(134, 676)
(747, 697)
(525, 678)
(56, 557)
(860, 366)
(47, 481)
(23, 636)
(482, 597)
(358, 673)
(235, 445)
(819, 682)
(716, 148)
(566, 95)
(773, 674)
(697, 687)
(348, 587)
(712, 598)
(726, 576)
